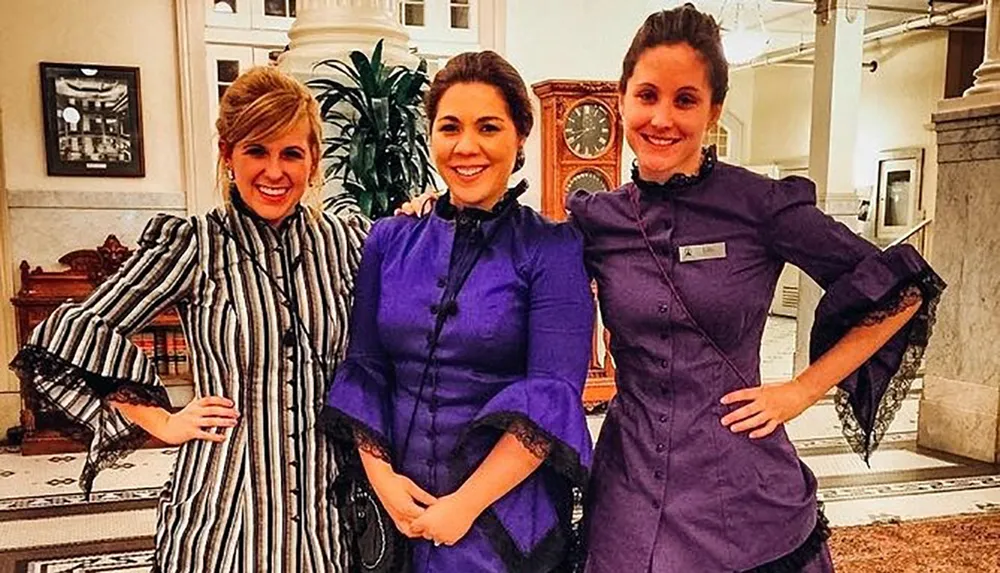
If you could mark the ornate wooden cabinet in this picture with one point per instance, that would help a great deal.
(46, 432)
(581, 149)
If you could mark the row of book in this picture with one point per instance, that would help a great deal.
(167, 349)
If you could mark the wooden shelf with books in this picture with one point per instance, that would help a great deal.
(41, 292)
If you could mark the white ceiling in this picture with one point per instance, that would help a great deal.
(791, 22)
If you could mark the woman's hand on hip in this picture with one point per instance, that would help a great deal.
(768, 407)
(198, 420)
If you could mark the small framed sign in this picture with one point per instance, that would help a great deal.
(898, 192)
(92, 119)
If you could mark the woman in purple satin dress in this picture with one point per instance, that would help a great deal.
(470, 342)
(693, 470)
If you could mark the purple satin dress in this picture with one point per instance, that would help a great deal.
(672, 489)
(512, 356)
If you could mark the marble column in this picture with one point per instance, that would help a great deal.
(326, 29)
(960, 405)
(840, 28)
(988, 74)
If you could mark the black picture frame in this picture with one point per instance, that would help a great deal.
(93, 120)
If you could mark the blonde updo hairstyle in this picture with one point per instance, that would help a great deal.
(262, 104)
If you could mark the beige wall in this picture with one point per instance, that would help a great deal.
(895, 108)
(44, 216)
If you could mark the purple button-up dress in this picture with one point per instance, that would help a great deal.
(672, 489)
(515, 355)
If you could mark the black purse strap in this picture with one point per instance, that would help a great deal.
(633, 195)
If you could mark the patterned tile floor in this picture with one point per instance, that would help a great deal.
(40, 504)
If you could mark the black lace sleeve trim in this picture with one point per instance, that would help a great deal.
(557, 552)
(805, 553)
(36, 363)
(895, 304)
(344, 428)
(563, 549)
(562, 458)
(926, 287)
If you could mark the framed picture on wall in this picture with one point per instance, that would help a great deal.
(898, 192)
(93, 120)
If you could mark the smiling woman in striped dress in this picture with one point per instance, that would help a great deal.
(263, 286)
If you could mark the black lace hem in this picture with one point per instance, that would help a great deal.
(539, 442)
(805, 553)
(34, 363)
(920, 329)
(347, 429)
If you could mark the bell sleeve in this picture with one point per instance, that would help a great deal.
(864, 286)
(544, 409)
(79, 360)
(358, 404)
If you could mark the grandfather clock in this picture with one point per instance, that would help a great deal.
(581, 149)
(581, 140)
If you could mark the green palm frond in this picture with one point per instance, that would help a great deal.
(377, 144)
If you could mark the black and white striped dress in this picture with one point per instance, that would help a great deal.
(265, 314)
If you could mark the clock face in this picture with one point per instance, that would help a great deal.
(588, 130)
(588, 179)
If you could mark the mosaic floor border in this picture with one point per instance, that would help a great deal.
(120, 555)
(968, 483)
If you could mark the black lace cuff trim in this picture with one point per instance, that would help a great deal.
(34, 362)
(563, 549)
(929, 287)
(344, 428)
(895, 304)
(562, 458)
(805, 553)
(553, 554)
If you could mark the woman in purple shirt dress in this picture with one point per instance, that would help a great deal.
(470, 342)
(693, 470)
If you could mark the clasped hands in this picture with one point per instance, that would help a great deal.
(418, 514)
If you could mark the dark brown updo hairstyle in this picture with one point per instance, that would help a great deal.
(682, 25)
(488, 68)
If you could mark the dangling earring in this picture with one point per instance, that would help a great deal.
(229, 173)
(519, 160)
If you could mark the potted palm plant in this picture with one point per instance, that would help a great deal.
(377, 144)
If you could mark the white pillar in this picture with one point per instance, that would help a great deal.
(988, 74)
(840, 28)
(325, 29)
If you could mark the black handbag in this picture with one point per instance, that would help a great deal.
(374, 544)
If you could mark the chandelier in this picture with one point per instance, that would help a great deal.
(742, 43)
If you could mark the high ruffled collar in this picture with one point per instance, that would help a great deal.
(449, 212)
(678, 180)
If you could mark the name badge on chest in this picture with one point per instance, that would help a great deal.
(692, 253)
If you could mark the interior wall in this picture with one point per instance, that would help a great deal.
(897, 101)
(44, 217)
(51, 215)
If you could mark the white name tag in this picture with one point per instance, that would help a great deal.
(691, 253)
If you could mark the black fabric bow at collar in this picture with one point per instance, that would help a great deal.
(470, 215)
(679, 180)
